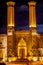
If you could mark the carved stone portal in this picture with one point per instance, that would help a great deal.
(22, 49)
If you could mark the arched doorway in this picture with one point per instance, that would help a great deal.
(22, 49)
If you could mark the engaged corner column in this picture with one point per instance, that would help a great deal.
(32, 14)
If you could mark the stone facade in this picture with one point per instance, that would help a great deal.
(21, 43)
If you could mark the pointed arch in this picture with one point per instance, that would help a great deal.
(22, 48)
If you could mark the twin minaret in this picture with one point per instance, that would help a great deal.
(10, 29)
(10, 13)
(32, 14)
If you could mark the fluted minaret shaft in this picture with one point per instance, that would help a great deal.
(32, 14)
(10, 14)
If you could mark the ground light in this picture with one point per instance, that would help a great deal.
(41, 58)
(35, 59)
(30, 58)
(12, 59)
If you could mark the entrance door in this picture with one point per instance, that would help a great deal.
(22, 53)
(22, 49)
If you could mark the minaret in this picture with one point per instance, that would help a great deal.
(32, 25)
(10, 28)
(10, 14)
(32, 14)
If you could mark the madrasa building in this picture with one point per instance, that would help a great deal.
(21, 43)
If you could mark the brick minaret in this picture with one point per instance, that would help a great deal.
(10, 28)
(32, 25)
(32, 14)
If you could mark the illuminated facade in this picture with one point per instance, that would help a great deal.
(21, 43)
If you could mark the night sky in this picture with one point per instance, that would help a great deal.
(21, 15)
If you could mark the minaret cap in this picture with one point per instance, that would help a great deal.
(10, 3)
(32, 3)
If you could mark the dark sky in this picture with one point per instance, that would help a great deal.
(21, 15)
